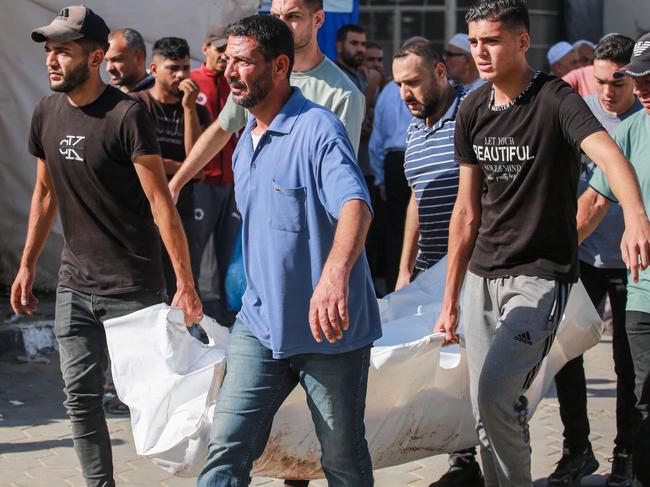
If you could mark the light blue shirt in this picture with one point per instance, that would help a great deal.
(289, 191)
(389, 127)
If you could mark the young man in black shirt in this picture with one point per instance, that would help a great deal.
(98, 163)
(179, 121)
(518, 139)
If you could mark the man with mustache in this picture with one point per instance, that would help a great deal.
(310, 313)
(98, 165)
(319, 79)
(179, 121)
(432, 174)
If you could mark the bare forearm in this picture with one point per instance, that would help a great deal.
(350, 236)
(192, 128)
(41, 218)
(592, 208)
(171, 166)
(411, 233)
(208, 145)
(463, 230)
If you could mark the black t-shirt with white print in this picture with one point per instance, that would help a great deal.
(530, 156)
(111, 245)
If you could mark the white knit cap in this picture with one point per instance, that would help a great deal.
(461, 41)
(558, 51)
(580, 42)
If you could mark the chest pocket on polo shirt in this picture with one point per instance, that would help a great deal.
(288, 208)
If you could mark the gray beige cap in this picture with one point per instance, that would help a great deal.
(217, 36)
(73, 23)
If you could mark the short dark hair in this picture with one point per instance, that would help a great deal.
(616, 48)
(314, 5)
(273, 37)
(373, 45)
(134, 40)
(342, 33)
(89, 45)
(513, 13)
(423, 49)
(171, 48)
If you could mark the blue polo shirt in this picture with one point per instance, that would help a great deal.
(289, 191)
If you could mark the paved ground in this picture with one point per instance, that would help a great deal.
(36, 449)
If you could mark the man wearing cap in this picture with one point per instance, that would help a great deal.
(585, 51)
(633, 137)
(460, 65)
(126, 61)
(562, 58)
(319, 79)
(98, 163)
(603, 274)
(216, 217)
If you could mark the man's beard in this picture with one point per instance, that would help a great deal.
(429, 106)
(352, 61)
(257, 91)
(72, 80)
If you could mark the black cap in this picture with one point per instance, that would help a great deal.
(72, 23)
(639, 65)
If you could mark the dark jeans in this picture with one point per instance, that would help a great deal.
(638, 331)
(79, 330)
(570, 380)
(398, 194)
(255, 387)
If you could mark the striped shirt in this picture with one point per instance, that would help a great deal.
(432, 172)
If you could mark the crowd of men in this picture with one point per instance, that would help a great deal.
(336, 174)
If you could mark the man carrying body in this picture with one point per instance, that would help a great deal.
(319, 79)
(98, 164)
(460, 64)
(562, 58)
(633, 136)
(432, 174)
(518, 140)
(216, 218)
(310, 314)
(126, 61)
(179, 122)
(603, 274)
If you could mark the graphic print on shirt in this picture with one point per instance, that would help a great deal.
(502, 158)
(73, 147)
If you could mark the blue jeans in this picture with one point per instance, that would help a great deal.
(79, 330)
(256, 385)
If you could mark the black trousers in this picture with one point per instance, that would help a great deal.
(638, 331)
(398, 194)
(570, 380)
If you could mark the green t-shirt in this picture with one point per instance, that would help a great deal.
(326, 85)
(633, 137)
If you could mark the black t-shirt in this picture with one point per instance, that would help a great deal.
(530, 156)
(170, 127)
(111, 245)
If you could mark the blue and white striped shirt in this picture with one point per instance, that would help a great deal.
(432, 172)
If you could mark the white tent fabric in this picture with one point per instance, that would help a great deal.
(24, 81)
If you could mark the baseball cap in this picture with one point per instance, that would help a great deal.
(639, 65)
(558, 51)
(73, 23)
(217, 36)
(461, 41)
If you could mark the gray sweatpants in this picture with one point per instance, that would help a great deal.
(510, 324)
